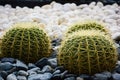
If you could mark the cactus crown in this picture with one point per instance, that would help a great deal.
(27, 25)
(26, 41)
(89, 33)
(87, 53)
(87, 25)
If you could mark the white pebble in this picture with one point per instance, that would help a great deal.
(100, 4)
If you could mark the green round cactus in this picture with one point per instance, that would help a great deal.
(26, 41)
(87, 52)
(87, 25)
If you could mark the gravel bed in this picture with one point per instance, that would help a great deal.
(56, 18)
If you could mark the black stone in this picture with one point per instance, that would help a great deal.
(52, 62)
(20, 65)
(11, 60)
(118, 40)
(6, 66)
(85, 77)
(111, 1)
(31, 65)
(36, 69)
(56, 42)
(70, 75)
(3, 74)
(116, 76)
(45, 76)
(54, 53)
(64, 73)
(11, 77)
(56, 77)
(47, 68)
(21, 78)
(118, 50)
(11, 70)
(60, 68)
(108, 74)
(99, 76)
(56, 72)
(23, 73)
(70, 78)
(1, 78)
(118, 69)
(42, 62)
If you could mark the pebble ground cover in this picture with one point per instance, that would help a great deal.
(55, 18)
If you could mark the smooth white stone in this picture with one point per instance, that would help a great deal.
(100, 4)
(92, 5)
(118, 21)
(37, 7)
(114, 16)
(68, 6)
(7, 6)
(52, 3)
(62, 20)
(73, 6)
(115, 5)
(82, 6)
(115, 35)
(46, 7)
(57, 6)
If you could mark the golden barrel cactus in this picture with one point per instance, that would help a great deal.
(87, 52)
(26, 41)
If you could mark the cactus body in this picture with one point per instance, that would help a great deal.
(87, 52)
(26, 41)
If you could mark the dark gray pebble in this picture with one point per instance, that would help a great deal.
(60, 68)
(79, 78)
(57, 77)
(11, 70)
(108, 74)
(70, 75)
(85, 77)
(11, 77)
(54, 53)
(64, 73)
(20, 65)
(32, 73)
(118, 69)
(31, 65)
(118, 50)
(70, 78)
(3, 74)
(56, 72)
(116, 76)
(56, 42)
(99, 76)
(53, 62)
(47, 68)
(34, 69)
(6, 66)
(42, 62)
(22, 73)
(11, 60)
(1, 78)
(21, 78)
(45, 76)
